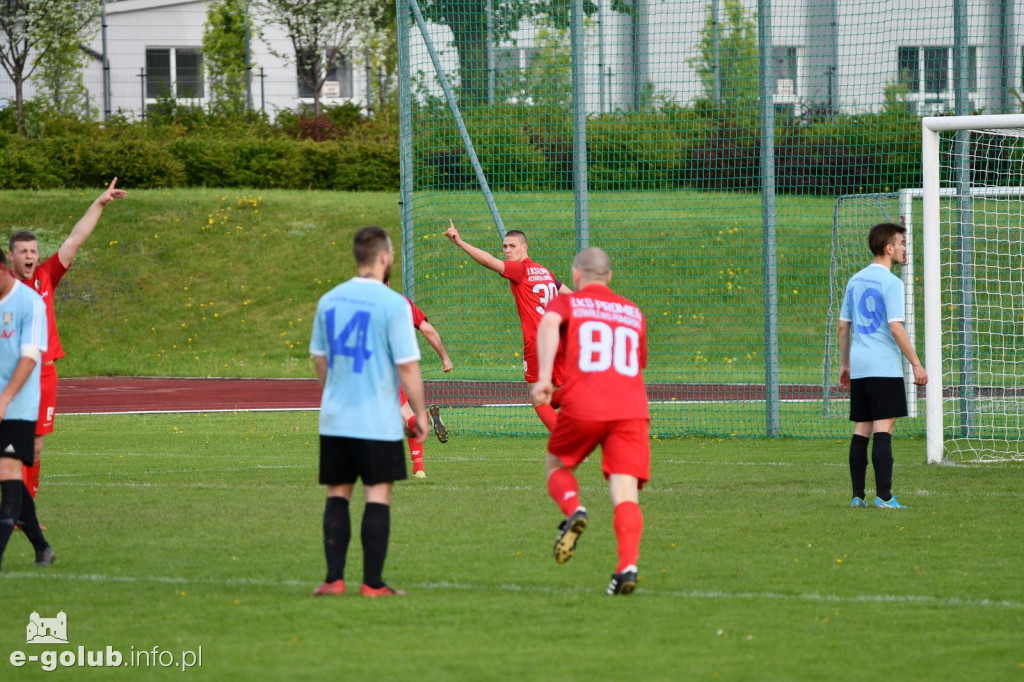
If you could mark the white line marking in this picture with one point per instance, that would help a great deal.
(967, 602)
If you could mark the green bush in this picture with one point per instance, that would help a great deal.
(520, 147)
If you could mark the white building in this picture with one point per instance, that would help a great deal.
(826, 54)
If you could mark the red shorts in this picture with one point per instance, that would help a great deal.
(531, 368)
(47, 398)
(625, 445)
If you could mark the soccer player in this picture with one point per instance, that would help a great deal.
(420, 322)
(22, 343)
(533, 287)
(364, 346)
(23, 250)
(604, 402)
(871, 339)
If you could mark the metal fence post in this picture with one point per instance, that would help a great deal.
(766, 86)
(579, 127)
(405, 154)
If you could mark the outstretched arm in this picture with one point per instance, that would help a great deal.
(434, 339)
(479, 255)
(86, 224)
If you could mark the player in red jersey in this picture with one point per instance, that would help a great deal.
(533, 287)
(23, 250)
(604, 402)
(420, 322)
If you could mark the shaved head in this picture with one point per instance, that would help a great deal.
(593, 261)
(591, 265)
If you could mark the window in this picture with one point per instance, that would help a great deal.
(936, 69)
(175, 72)
(909, 70)
(784, 70)
(338, 70)
(939, 68)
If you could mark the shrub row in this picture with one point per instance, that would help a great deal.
(198, 161)
(521, 148)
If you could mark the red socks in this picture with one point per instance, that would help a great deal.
(415, 449)
(548, 415)
(30, 475)
(564, 490)
(629, 526)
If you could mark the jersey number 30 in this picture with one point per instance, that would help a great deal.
(602, 348)
(546, 292)
(344, 344)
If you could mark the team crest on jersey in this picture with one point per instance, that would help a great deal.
(8, 318)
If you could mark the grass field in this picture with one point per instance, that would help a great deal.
(188, 531)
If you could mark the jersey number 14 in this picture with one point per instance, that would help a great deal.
(351, 342)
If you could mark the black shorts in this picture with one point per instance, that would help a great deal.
(18, 440)
(875, 398)
(343, 460)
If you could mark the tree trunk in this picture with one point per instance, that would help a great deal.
(19, 104)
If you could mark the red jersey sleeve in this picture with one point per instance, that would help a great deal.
(514, 271)
(53, 267)
(418, 316)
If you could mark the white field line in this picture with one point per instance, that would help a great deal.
(813, 597)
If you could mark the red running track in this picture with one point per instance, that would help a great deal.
(145, 394)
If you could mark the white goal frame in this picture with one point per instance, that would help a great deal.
(931, 127)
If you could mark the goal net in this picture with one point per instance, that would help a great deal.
(852, 216)
(973, 239)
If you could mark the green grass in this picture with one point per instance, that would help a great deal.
(181, 531)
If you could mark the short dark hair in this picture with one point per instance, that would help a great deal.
(20, 236)
(881, 235)
(3, 258)
(517, 233)
(368, 242)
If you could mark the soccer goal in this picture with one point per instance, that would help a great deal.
(973, 262)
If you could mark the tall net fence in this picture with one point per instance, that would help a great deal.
(655, 148)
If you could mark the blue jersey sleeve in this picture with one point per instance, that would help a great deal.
(402, 335)
(845, 313)
(318, 341)
(894, 300)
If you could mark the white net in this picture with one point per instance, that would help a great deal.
(982, 276)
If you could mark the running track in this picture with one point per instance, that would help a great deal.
(136, 394)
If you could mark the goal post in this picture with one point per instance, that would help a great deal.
(989, 382)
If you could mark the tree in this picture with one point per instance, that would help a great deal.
(738, 58)
(224, 54)
(322, 32)
(29, 29)
(59, 79)
(468, 21)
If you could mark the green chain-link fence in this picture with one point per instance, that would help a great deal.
(712, 149)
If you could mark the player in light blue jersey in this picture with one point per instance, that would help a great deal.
(871, 341)
(22, 343)
(364, 347)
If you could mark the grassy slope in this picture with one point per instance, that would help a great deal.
(204, 530)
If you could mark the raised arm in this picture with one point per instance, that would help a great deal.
(479, 255)
(86, 224)
(434, 339)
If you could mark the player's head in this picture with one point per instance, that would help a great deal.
(5, 282)
(514, 245)
(885, 235)
(372, 246)
(590, 266)
(23, 249)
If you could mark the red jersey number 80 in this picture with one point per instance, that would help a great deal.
(602, 348)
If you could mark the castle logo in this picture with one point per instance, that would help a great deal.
(47, 630)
